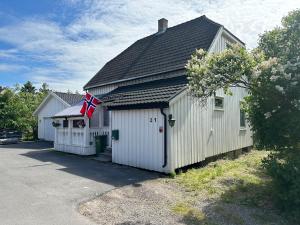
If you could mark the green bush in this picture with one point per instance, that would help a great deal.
(285, 171)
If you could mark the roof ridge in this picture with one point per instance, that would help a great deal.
(66, 93)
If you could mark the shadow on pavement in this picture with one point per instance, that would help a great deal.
(29, 145)
(108, 173)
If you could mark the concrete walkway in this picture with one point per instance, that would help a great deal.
(41, 186)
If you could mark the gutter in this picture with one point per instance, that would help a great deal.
(165, 138)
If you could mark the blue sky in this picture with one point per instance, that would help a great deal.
(65, 42)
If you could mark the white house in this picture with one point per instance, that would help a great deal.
(53, 103)
(152, 122)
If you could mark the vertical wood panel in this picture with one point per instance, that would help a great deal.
(140, 143)
(191, 138)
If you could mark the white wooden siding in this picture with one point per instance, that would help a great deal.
(220, 43)
(50, 108)
(102, 90)
(140, 143)
(201, 132)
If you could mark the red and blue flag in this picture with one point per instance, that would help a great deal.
(89, 105)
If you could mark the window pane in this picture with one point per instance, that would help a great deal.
(219, 102)
(242, 118)
(78, 123)
(105, 117)
(94, 121)
(66, 123)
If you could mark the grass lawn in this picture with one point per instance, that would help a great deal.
(228, 192)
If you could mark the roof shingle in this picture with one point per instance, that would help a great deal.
(71, 99)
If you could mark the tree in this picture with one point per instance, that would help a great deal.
(17, 106)
(28, 87)
(44, 89)
(271, 73)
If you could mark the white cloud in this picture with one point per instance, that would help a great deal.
(4, 67)
(68, 56)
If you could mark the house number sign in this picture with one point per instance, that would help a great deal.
(153, 120)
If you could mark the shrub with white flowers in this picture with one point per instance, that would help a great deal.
(271, 74)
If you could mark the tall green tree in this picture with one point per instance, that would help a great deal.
(44, 88)
(28, 88)
(271, 73)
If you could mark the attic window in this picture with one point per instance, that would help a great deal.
(219, 103)
(227, 44)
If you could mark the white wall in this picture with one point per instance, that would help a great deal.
(201, 132)
(49, 109)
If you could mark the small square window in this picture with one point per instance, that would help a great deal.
(66, 123)
(219, 103)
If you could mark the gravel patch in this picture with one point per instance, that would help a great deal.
(143, 203)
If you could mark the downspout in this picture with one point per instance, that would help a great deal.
(165, 137)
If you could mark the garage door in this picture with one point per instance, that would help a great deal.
(141, 138)
(48, 130)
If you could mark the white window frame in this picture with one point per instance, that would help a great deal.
(242, 127)
(216, 108)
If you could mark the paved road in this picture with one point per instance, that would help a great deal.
(40, 186)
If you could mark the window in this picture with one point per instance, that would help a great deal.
(94, 121)
(105, 117)
(219, 103)
(78, 123)
(242, 118)
(66, 123)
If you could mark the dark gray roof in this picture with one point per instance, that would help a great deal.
(159, 53)
(71, 99)
(145, 95)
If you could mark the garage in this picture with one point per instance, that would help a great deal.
(53, 103)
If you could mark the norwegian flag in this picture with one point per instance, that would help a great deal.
(89, 105)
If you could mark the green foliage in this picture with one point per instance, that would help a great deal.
(210, 72)
(28, 88)
(17, 106)
(283, 42)
(284, 168)
(271, 73)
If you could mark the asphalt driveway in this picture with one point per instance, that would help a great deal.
(42, 186)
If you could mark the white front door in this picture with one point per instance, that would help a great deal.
(48, 130)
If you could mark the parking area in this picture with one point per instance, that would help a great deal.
(42, 186)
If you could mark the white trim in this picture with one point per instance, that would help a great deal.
(218, 108)
(46, 99)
